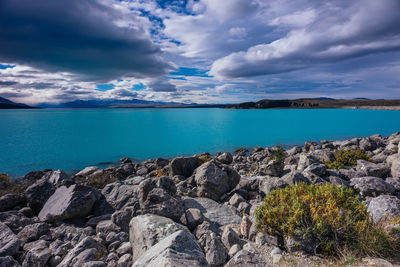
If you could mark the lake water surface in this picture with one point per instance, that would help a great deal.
(73, 139)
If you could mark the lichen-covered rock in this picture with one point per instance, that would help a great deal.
(32, 232)
(75, 201)
(225, 158)
(178, 249)
(270, 183)
(371, 186)
(215, 252)
(87, 250)
(8, 261)
(373, 169)
(37, 255)
(213, 180)
(384, 207)
(9, 243)
(147, 230)
(217, 214)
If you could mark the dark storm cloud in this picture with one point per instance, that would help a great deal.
(77, 36)
(331, 32)
(161, 85)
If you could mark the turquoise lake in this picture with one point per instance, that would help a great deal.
(73, 139)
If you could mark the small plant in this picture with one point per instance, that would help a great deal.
(334, 216)
(97, 180)
(347, 157)
(159, 173)
(5, 178)
(396, 149)
(279, 154)
(8, 186)
(204, 158)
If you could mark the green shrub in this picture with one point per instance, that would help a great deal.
(279, 154)
(332, 215)
(396, 149)
(97, 180)
(203, 159)
(347, 157)
(8, 186)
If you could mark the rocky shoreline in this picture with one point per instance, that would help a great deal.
(186, 211)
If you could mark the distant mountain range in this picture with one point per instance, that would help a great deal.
(8, 104)
(321, 102)
(113, 103)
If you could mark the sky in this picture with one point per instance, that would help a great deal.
(198, 51)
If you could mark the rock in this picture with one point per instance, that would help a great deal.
(371, 186)
(394, 162)
(125, 248)
(335, 180)
(215, 180)
(371, 169)
(15, 220)
(267, 184)
(272, 168)
(103, 228)
(245, 226)
(276, 250)
(178, 249)
(217, 214)
(247, 258)
(123, 194)
(9, 243)
(37, 255)
(317, 169)
(183, 166)
(8, 262)
(300, 242)
(194, 217)
(93, 221)
(54, 261)
(384, 207)
(225, 158)
(87, 250)
(147, 230)
(394, 181)
(230, 237)
(122, 218)
(157, 196)
(94, 264)
(294, 177)
(264, 238)
(375, 262)
(71, 202)
(233, 250)
(305, 160)
(38, 193)
(27, 212)
(215, 251)
(33, 232)
(88, 171)
(9, 201)
(367, 144)
(125, 261)
(294, 150)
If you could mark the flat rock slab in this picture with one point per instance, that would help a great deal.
(218, 214)
(71, 202)
(179, 250)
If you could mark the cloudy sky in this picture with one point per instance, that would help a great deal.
(203, 51)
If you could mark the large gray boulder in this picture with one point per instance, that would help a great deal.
(38, 193)
(214, 179)
(147, 230)
(373, 169)
(371, 186)
(215, 252)
(9, 243)
(384, 207)
(71, 202)
(225, 158)
(179, 249)
(216, 213)
(183, 166)
(15, 220)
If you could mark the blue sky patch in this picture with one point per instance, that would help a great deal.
(138, 87)
(6, 66)
(190, 72)
(105, 87)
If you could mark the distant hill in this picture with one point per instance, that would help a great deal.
(318, 103)
(8, 104)
(114, 103)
